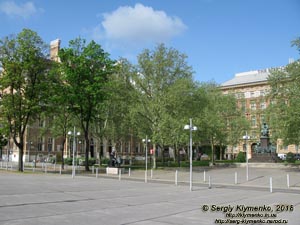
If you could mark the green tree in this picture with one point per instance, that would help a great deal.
(181, 104)
(61, 115)
(25, 64)
(222, 123)
(284, 111)
(86, 69)
(156, 72)
(119, 124)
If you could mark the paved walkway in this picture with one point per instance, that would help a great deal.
(39, 198)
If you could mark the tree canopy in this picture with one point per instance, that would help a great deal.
(25, 82)
(284, 112)
(85, 69)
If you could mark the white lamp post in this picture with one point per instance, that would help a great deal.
(30, 143)
(246, 137)
(146, 141)
(191, 128)
(74, 134)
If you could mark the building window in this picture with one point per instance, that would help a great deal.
(40, 144)
(262, 118)
(253, 121)
(262, 93)
(243, 106)
(41, 123)
(239, 95)
(253, 134)
(50, 144)
(263, 105)
(253, 105)
(247, 94)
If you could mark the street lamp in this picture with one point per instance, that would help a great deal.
(191, 128)
(146, 141)
(3, 142)
(74, 134)
(246, 137)
(29, 147)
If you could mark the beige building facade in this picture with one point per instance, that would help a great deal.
(251, 91)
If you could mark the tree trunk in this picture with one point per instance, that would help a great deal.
(212, 152)
(87, 150)
(154, 156)
(21, 152)
(62, 154)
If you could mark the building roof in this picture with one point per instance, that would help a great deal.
(248, 78)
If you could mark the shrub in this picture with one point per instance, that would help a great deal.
(58, 157)
(105, 161)
(68, 161)
(81, 161)
(241, 157)
(290, 158)
(52, 160)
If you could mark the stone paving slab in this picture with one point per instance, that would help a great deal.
(42, 199)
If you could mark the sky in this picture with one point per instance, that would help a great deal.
(219, 37)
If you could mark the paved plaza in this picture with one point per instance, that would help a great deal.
(51, 198)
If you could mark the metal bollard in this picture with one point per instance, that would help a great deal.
(93, 168)
(235, 178)
(271, 185)
(146, 177)
(288, 180)
(151, 173)
(176, 177)
(97, 172)
(120, 174)
(209, 182)
(60, 168)
(129, 172)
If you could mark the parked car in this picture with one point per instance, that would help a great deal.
(205, 157)
(297, 156)
(282, 156)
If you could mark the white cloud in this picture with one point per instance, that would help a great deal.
(137, 25)
(12, 9)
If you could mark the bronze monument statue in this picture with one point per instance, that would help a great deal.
(265, 130)
(264, 146)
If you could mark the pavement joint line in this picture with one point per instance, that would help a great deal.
(44, 203)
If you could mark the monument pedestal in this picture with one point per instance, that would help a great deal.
(264, 142)
(264, 151)
(112, 170)
(264, 157)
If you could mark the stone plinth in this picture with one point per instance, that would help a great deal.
(264, 157)
(112, 170)
(264, 142)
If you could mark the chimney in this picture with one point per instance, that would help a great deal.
(54, 48)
